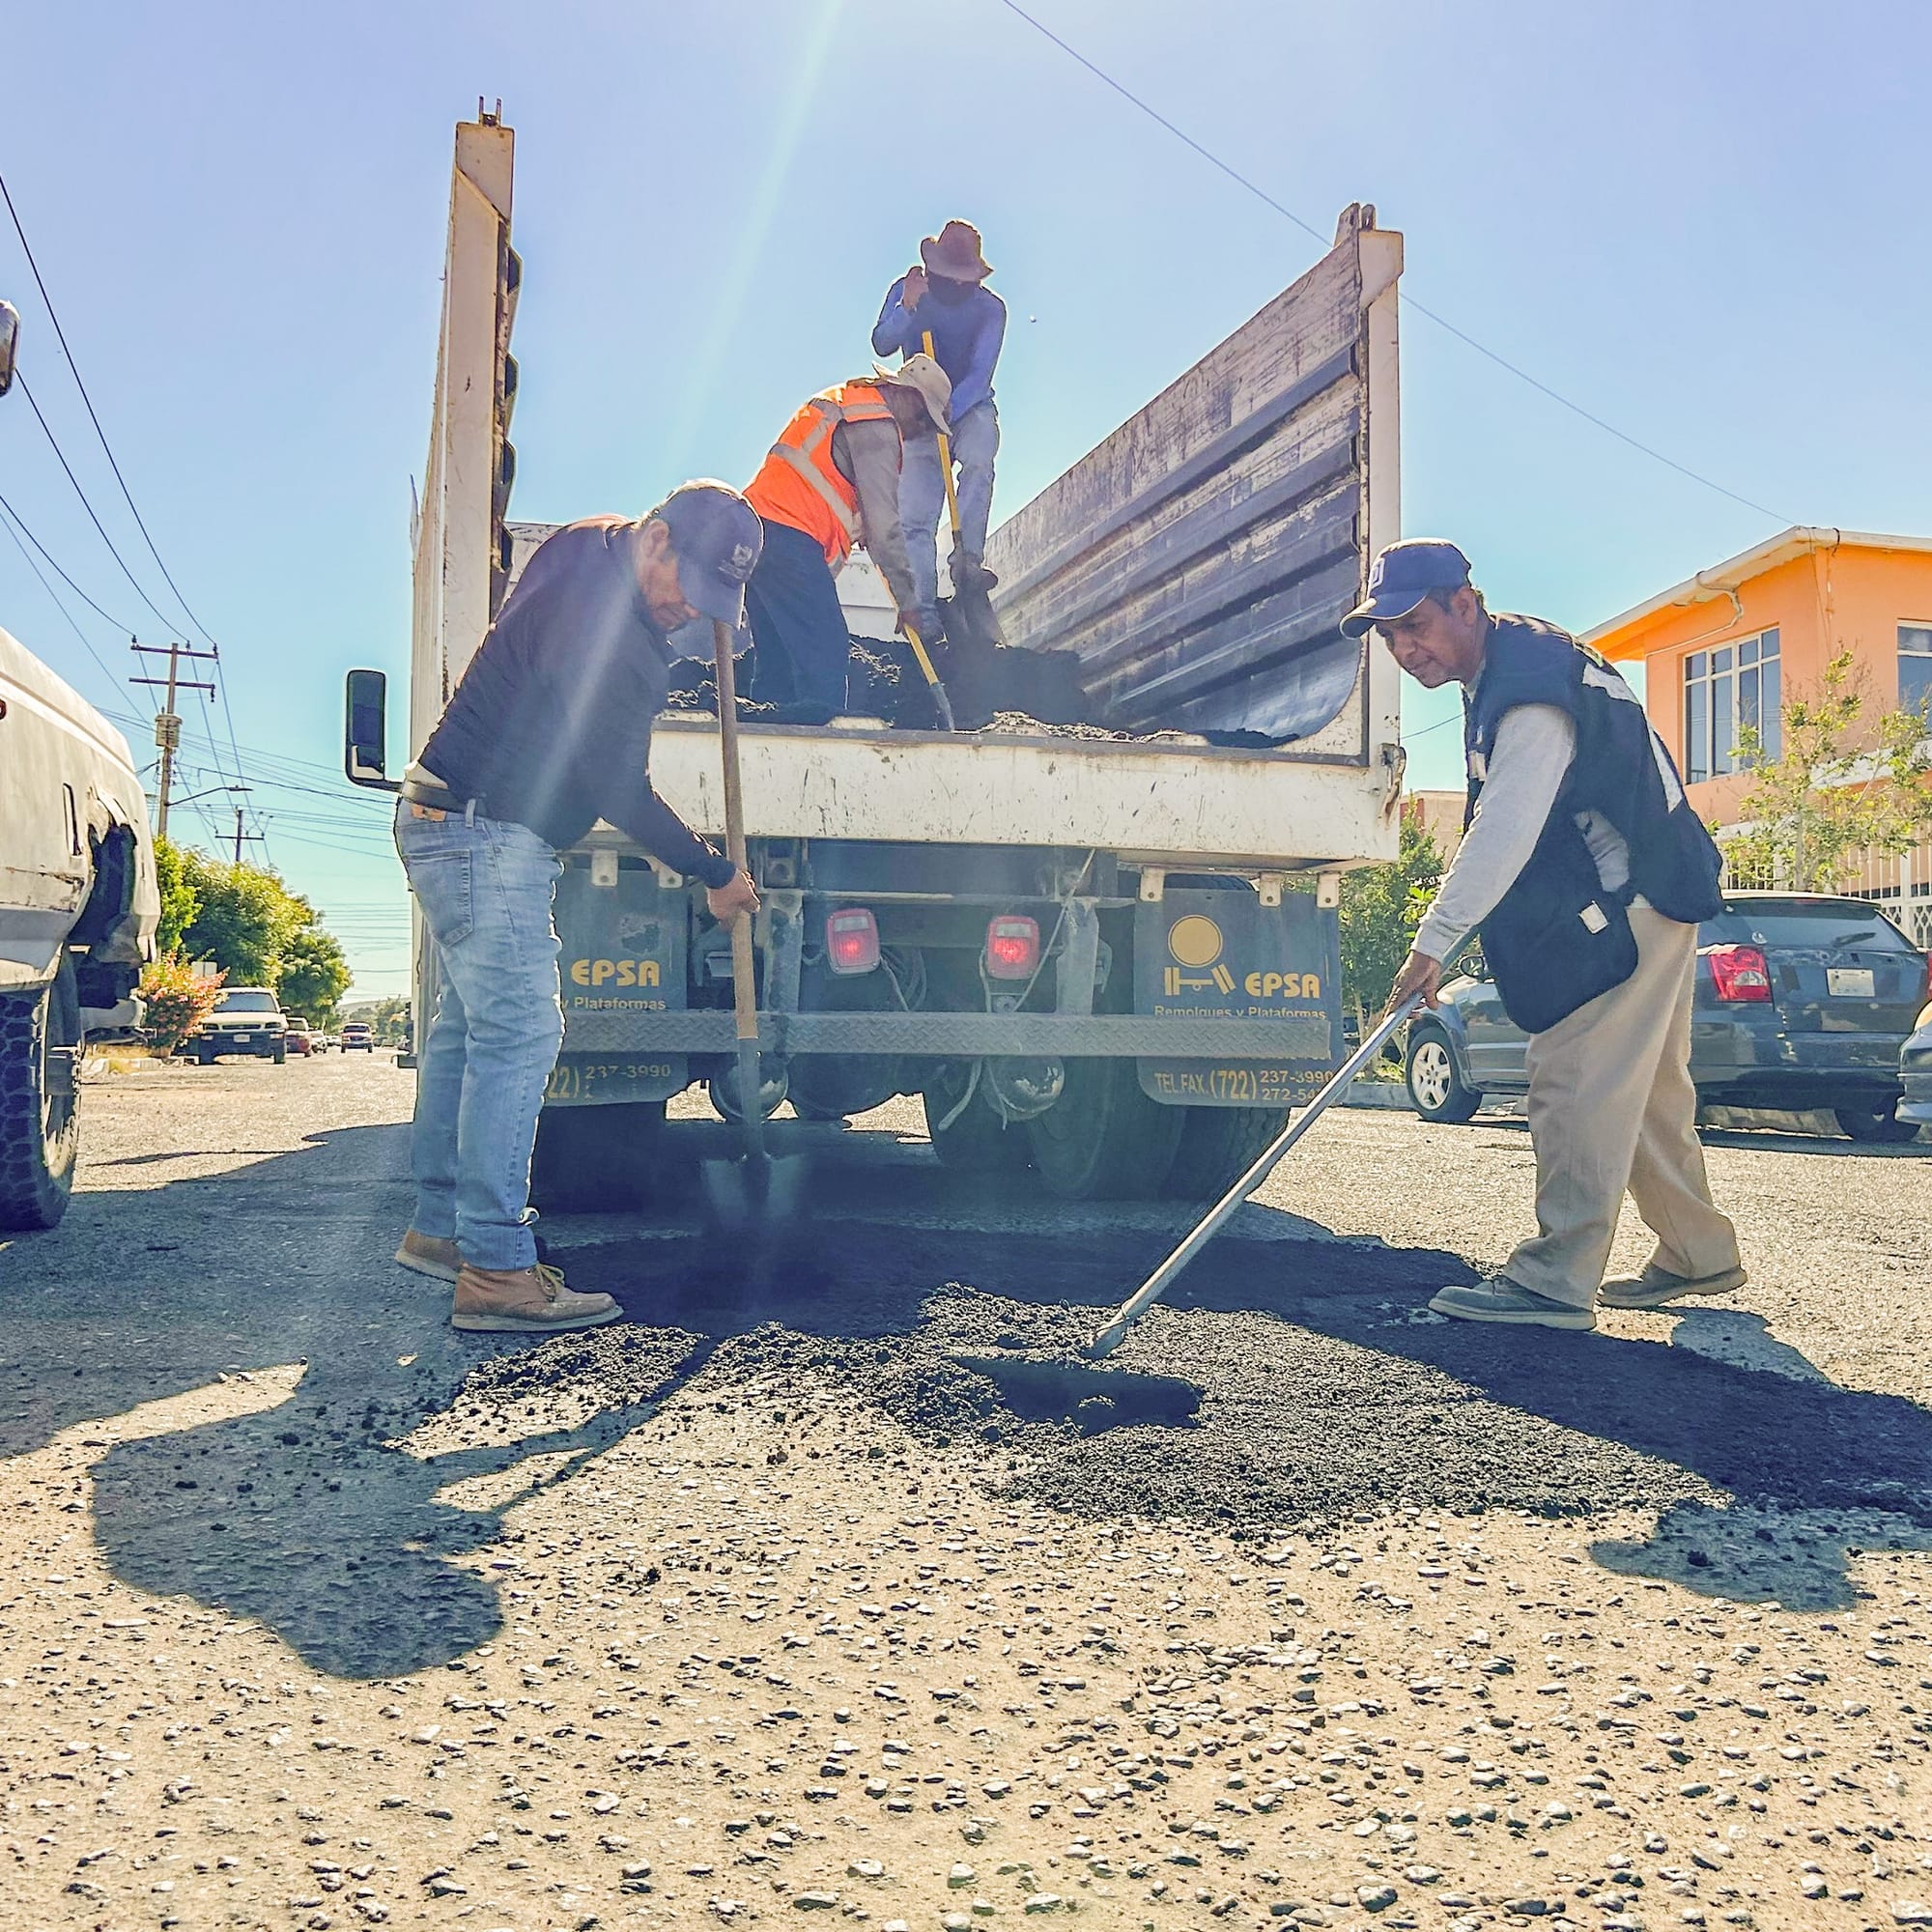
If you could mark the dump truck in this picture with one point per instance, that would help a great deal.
(1105, 952)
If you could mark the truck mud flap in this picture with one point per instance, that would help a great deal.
(1208, 954)
(622, 968)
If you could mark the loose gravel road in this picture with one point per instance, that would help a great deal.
(840, 1597)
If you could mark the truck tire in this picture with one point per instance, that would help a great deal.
(975, 1141)
(597, 1160)
(1436, 1089)
(39, 1127)
(1218, 1145)
(1104, 1140)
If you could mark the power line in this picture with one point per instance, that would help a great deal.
(127, 630)
(86, 644)
(160, 616)
(1442, 321)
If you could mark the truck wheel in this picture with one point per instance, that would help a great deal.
(1436, 1089)
(1875, 1124)
(1218, 1145)
(1104, 1140)
(596, 1160)
(975, 1140)
(40, 1128)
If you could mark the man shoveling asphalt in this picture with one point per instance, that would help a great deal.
(549, 731)
(1587, 871)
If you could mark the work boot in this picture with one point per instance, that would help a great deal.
(524, 1301)
(430, 1255)
(1502, 1300)
(1656, 1286)
(968, 574)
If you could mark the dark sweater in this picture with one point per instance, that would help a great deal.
(550, 726)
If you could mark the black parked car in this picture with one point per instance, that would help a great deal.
(1802, 1002)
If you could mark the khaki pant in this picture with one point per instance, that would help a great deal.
(1611, 1107)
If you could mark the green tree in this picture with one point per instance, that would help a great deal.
(245, 921)
(1382, 906)
(1853, 782)
(179, 901)
(314, 976)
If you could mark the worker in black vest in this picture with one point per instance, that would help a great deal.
(1586, 872)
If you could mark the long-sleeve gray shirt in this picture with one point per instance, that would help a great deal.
(1534, 748)
(868, 456)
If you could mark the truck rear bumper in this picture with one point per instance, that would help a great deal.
(943, 1036)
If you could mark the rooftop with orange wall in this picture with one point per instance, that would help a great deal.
(1825, 591)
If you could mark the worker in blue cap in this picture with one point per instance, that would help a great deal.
(549, 731)
(1586, 872)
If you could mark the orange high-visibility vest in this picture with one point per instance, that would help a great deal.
(801, 486)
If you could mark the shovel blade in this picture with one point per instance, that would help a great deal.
(753, 1196)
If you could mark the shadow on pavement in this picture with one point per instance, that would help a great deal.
(1337, 1400)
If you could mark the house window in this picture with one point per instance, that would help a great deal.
(1914, 665)
(1726, 690)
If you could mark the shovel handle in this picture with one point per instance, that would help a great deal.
(744, 979)
(944, 456)
(940, 702)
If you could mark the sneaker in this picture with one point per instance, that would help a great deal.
(1656, 1286)
(531, 1301)
(1502, 1300)
(427, 1253)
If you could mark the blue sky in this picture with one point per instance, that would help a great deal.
(1704, 224)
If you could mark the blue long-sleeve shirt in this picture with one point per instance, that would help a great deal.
(966, 338)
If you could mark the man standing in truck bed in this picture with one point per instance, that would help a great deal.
(549, 731)
(831, 480)
(946, 296)
(1586, 870)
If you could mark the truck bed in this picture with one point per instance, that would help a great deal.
(1155, 801)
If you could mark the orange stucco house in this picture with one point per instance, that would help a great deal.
(1727, 647)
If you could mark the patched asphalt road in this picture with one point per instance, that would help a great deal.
(230, 1427)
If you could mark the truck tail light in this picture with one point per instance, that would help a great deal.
(852, 940)
(1013, 947)
(1739, 972)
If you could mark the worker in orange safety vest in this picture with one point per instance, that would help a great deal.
(831, 480)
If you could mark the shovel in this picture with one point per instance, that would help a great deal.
(941, 703)
(753, 1194)
(971, 627)
(1168, 1273)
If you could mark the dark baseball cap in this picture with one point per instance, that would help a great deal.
(717, 536)
(1401, 577)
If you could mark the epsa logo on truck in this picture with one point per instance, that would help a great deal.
(615, 973)
(1197, 941)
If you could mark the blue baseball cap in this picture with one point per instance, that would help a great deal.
(1401, 577)
(717, 536)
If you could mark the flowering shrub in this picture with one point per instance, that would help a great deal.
(177, 1001)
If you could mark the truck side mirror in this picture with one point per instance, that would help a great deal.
(365, 730)
(10, 344)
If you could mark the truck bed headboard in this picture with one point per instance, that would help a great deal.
(1198, 562)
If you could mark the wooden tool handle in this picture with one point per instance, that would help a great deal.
(743, 980)
(946, 457)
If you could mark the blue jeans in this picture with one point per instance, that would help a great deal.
(486, 889)
(976, 443)
(804, 645)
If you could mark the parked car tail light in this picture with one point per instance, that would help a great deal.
(852, 940)
(1013, 947)
(1739, 972)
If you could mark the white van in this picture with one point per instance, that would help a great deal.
(78, 907)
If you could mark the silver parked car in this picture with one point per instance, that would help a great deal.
(1802, 1002)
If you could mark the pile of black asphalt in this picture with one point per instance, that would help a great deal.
(1287, 1381)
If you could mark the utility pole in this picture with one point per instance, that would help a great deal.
(239, 835)
(167, 723)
